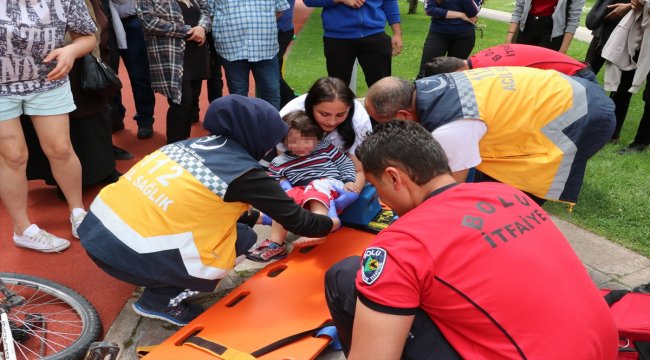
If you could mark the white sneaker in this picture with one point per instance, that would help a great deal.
(75, 221)
(42, 241)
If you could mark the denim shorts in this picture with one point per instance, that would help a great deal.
(52, 102)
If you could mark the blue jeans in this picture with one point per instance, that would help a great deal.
(137, 65)
(265, 73)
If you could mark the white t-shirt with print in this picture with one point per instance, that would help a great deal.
(360, 123)
(28, 33)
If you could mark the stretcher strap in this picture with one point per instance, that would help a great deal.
(226, 353)
(216, 349)
(288, 340)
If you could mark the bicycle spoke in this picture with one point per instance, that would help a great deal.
(51, 320)
(61, 334)
(20, 349)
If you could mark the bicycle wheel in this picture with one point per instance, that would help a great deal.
(54, 322)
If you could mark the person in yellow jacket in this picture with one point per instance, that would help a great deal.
(170, 223)
(529, 128)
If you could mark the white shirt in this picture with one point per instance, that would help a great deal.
(360, 123)
(460, 140)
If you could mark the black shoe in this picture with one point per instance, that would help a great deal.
(145, 131)
(121, 154)
(180, 314)
(633, 147)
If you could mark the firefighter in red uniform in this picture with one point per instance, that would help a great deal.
(473, 271)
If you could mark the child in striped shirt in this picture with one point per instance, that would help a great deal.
(312, 172)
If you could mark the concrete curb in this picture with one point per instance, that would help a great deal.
(610, 265)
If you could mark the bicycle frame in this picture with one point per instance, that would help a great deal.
(7, 337)
(5, 327)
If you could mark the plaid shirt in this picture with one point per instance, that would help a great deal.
(165, 31)
(246, 29)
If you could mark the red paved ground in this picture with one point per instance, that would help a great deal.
(72, 267)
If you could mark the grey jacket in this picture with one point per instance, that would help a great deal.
(632, 35)
(561, 24)
(164, 32)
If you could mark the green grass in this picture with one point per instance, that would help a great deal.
(615, 199)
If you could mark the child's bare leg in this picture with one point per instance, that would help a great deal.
(278, 233)
(319, 208)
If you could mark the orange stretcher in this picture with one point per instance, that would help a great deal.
(284, 298)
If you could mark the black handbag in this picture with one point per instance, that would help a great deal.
(597, 13)
(98, 78)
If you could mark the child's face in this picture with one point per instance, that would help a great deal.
(300, 145)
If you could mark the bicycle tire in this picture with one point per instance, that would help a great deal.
(39, 289)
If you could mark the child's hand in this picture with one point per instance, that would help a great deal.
(64, 57)
(351, 186)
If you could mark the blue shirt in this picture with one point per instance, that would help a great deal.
(246, 30)
(438, 13)
(285, 22)
(343, 22)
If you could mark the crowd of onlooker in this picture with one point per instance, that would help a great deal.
(170, 47)
(464, 262)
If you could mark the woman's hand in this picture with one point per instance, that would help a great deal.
(197, 34)
(512, 30)
(472, 20)
(345, 198)
(351, 3)
(331, 212)
(285, 185)
(461, 15)
(64, 57)
(617, 11)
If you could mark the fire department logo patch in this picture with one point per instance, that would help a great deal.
(372, 264)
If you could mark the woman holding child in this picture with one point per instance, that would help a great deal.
(341, 124)
(332, 105)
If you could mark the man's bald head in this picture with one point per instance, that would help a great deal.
(391, 98)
